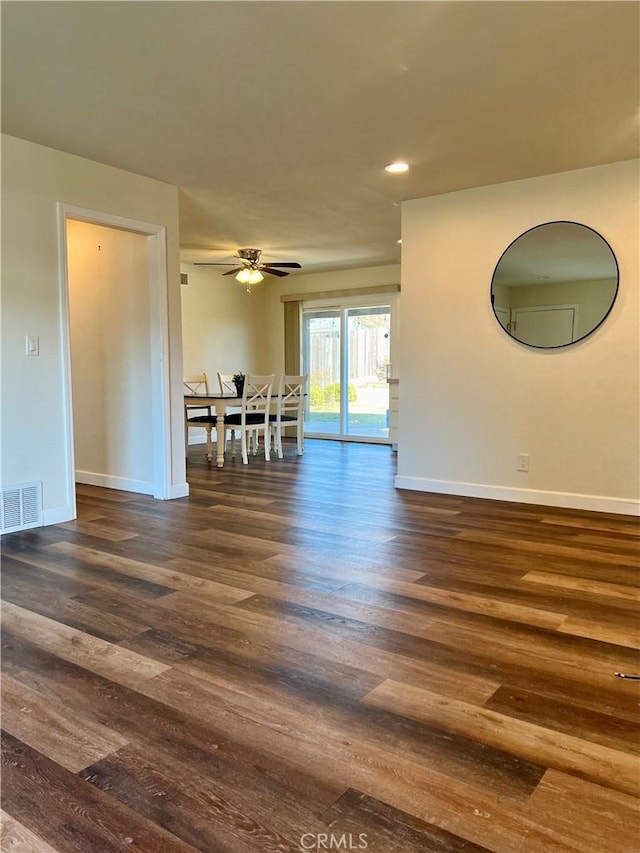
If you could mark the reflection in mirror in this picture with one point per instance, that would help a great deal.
(554, 284)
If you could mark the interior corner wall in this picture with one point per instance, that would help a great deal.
(472, 398)
(222, 325)
(33, 422)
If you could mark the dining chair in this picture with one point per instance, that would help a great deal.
(290, 403)
(198, 383)
(227, 386)
(253, 415)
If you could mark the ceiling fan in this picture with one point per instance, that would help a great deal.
(251, 269)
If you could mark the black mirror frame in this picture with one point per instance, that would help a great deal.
(591, 331)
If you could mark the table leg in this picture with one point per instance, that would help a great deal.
(220, 430)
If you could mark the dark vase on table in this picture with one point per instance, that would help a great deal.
(239, 383)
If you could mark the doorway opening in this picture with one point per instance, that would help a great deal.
(115, 334)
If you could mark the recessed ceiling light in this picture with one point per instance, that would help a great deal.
(400, 242)
(397, 167)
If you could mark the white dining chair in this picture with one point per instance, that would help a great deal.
(228, 386)
(198, 383)
(290, 403)
(253, 415)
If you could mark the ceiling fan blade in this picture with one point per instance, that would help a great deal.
(273, 272)
(293, 265)
(231, 272)
(210, 264)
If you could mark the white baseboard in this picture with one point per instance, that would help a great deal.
(200, 439)
(57, 514)
(594, 503)
(179, 490)
(106, 481)
(141, 487)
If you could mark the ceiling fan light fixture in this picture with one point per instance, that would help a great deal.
(249, 276)
(255, 277)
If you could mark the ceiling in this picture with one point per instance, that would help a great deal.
(276, 119)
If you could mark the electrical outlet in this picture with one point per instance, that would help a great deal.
(523, 462)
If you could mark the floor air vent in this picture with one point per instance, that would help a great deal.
(21, 507)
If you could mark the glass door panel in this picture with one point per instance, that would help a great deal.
(367, 362)
(322, 359)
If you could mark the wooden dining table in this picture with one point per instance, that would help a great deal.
(219, 402)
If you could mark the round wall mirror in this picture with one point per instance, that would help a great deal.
(554, 284)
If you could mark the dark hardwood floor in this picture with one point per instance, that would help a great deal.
(299, 657)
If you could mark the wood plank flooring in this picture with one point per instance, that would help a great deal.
(299, 657)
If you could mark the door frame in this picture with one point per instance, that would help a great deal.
(158, 342)
(531, 309)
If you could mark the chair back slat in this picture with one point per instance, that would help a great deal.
(226, 383)
(291, 395)
(256, 396)
(196, 383)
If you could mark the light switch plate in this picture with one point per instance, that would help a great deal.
(32, 344)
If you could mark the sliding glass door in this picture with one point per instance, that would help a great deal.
(346, 351)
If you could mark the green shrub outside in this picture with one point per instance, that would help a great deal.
(330, 394)
(316, 396)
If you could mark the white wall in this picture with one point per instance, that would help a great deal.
(108, 273)
(34, 180)
(222, 325)
(472, 398)
(222, 328)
